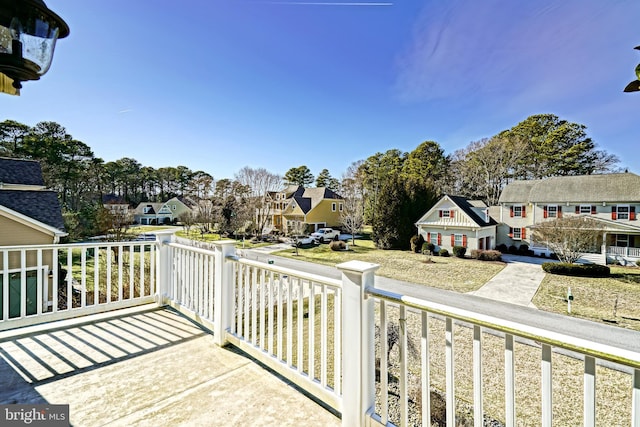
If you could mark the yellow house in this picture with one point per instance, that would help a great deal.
(298, 209)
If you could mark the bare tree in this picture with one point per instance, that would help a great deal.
(115, 222)
(260, 183)
(352, 191)
(188, 220)
(569, 237)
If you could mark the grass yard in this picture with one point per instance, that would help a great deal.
(613, 300)
(455, 274)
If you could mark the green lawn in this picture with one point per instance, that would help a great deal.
(456, 274)
(613, 300)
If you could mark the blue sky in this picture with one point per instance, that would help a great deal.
(216, 85)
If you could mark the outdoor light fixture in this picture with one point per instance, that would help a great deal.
(28, 34)
(634, 86)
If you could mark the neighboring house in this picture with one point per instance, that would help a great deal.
(115, 205)
(457, 221)
(150, 213)
(29, 213)
(296, 207)
(611, 199)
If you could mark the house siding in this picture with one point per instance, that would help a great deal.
(323, 213)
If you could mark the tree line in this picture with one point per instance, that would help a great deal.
(389, 191)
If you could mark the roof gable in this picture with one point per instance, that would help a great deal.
(41, 206)
(471, 210)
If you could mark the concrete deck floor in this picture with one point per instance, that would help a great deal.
(146, 367)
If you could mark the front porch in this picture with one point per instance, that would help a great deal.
(146, 366)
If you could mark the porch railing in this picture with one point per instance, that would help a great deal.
(347, 342)
(623, 251)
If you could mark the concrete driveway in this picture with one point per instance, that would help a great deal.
(517, 283)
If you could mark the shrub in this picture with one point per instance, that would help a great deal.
(459, 251)
(523, 248)
(486, 255)
(581, 270)
(416, 243)
(428, 247)
(513, 250)
(502, 248)
(443, 252)
(337, 245)
(638, 263)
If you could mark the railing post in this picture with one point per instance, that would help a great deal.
(358, 334)
(223, 291)
(163, 276)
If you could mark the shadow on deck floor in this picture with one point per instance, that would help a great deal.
(146, 367)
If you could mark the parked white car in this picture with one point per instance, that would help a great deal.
(301, 240)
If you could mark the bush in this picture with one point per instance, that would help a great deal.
(416, 243)
(459, 251)
(428, 247)
(581, 270)
(513, 250)
(443, 252)
(486, 255)
(638, 263)
(337, 245)
(523, 248)
(502, 248)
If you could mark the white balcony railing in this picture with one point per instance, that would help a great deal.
(623, 251)
(321, 333)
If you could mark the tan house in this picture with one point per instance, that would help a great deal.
(150, 213)
(611, 199)
(297, 207)
(457, 221)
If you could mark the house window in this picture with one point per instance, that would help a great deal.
(445, 213)
(517, 233)
(623, 212)
(552, 211)
(622, 240)
(434, 239)
(333, 207)
(293, 205)
(340, 207)
(277, 197)
(457, 240)
(517, 211)
(146, 209)
(585, 209)
(174, 207)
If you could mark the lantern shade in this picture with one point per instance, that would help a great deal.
(28, 35)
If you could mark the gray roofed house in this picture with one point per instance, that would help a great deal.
(29, 214)
(611, 199)
(296, 205)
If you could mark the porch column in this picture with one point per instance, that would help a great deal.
(604, 246)
(163, 269)
(223, 291)
(358, 333)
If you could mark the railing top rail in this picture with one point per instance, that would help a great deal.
(77, 245)
(555, 339)
(191, 248)
(336, 283)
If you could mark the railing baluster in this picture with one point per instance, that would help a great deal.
(384, 363)
(404, 395)
(478, 412)
(311, 328)
(254, 305)
(83, 280)
(131, 271)
(40, 291)
(280, 288)
(450, 373)
(69, 279)
(635, 405)
(108, 253)
(547, 387)
(337, 340)
(142, 265)
(323, 335)
(300, 325)
(5, 285)
(589, 391)
(509, 382)
(263, 284)
(96, 276)
(426, 371)
(54, 279)
(271, 285)
(247, 302)
(289, 323)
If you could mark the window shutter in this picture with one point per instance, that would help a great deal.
(428, 237)
(614, 212)
(439, 239)
(464, 240)
(511, 211)
(510, 232)
(524, 211)
(577, 209)
(544, 215)
(632, 213)
(453, 240)
(559, 211)
(440, 213)
(593, 209)
(450, 213)
(523, 233)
